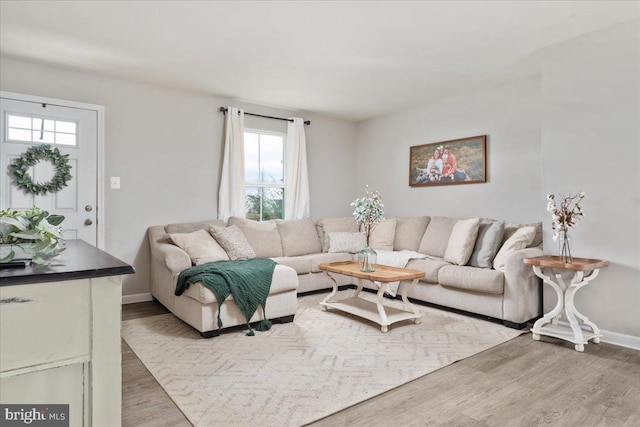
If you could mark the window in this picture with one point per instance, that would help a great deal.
(264, 175)
(23, 128)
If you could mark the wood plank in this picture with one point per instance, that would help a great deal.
(383, 273)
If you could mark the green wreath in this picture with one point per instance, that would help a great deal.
(19, 169)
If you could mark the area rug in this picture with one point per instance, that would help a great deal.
(299, 372)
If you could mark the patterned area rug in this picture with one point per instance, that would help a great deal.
(302, 371)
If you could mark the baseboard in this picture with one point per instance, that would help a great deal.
(614, 338)
(131, 299)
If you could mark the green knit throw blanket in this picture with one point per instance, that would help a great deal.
(247, 280)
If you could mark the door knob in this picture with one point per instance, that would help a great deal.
(88, 222)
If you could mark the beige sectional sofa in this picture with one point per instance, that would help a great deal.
(471, 265)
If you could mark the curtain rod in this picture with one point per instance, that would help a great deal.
(224, 110)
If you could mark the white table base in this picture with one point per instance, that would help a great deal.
(374, 311)
(548, 325)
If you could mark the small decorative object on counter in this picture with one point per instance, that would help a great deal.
(32, 235)
(565, 217)
(368, 213)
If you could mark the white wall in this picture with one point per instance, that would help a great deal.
(508, 115)
(166, 147)
(574, 127)
(591, 142)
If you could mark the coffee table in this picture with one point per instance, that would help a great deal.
(374, 311)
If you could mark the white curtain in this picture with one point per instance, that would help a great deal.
(296, 198)
(231, 192)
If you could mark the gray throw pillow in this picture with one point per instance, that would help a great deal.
(487, 244)
(233, 242)
(299, 237)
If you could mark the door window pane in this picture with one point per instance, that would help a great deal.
(41, 130)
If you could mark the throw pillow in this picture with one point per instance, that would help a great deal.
(233, 241)
(299, 237)
(519, 240)
(511, 228)
(200, 246)
(436, 237)
(383, 235)
(487, 244)
(409, 232)
(461, 242)
(329, 225)
(340, 241)
(263, 236)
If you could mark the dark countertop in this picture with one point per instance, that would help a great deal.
(79, 261)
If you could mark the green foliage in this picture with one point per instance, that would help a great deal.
(368, 212)
(19, 169)
(34, 231)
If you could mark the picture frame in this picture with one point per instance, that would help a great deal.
(465, 162)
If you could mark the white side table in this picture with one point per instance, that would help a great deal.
(584, 270)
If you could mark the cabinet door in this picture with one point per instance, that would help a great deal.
(44, 323)
(64, 385)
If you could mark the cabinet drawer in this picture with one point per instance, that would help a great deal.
(44, 323)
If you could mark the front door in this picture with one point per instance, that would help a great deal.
(74, 131)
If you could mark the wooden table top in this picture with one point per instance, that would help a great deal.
(383, 273)
(578, 264)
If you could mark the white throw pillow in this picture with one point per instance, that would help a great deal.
(200, 246)
(383, 235)
(462, 240)
(340, 241)
(233, 241)
(519, 240)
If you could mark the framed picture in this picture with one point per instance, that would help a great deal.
(458, 161)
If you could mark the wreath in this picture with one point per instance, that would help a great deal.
(19, 169)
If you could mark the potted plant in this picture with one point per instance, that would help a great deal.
(31, 234)
(368, 212)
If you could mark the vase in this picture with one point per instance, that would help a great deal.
(19, 254)
(367, 258)
(564, 246)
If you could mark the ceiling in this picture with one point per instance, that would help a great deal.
(349, 59)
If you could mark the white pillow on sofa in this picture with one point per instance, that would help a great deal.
(519, 240)
(462, 240)
(340, 241)
(383, 235)
(200, 246)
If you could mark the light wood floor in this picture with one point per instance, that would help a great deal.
(519, 383)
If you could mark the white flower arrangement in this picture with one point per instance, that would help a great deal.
(368, 211)
(567, 214)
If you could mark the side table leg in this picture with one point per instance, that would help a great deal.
(360, 285)
(571, 305)
(570, 311)
(552, 315)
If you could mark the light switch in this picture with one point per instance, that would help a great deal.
(115, 182)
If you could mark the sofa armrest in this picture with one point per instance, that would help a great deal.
(521, 300)
(165, 253)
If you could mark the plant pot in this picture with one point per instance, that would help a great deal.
(19, 252)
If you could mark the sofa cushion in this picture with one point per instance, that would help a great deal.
(462, 240)
(487, 244)
(200, 246)
(409, 232)
(519, 240)
(233, 241)
(472, 279)
(328, 225)
(436, 237)
(346, 242)
(299, 237)
(383, 235)
(262, 236)
(430, 266)
(301, 263)
(190, 227)
(283, 280)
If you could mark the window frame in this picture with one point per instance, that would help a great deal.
(261, 184)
